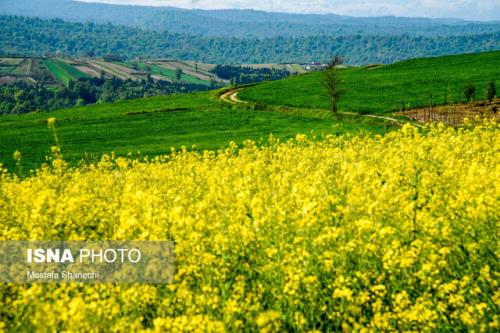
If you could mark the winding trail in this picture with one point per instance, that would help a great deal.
(231, 97)
(399, 122)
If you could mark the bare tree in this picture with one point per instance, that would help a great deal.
(332, 82)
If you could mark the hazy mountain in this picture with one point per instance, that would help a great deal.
(35, 36)
(240, 23)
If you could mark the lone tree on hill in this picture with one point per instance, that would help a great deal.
(332, 82)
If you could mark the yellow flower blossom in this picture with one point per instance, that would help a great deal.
(388, 233)
(51, 121)
(17, 156)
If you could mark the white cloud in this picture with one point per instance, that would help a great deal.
(466, 9)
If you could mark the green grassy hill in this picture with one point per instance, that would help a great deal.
(153, 125)
(387, 88)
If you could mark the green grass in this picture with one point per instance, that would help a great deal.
(153, 125)
(169, 73)
(384, 89)
(62, 71)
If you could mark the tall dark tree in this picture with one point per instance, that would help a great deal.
(332, 82)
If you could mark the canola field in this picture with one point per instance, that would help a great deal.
(349, 233)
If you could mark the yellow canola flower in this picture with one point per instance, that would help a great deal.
(51, 121)
(387, 233)
(17, 155)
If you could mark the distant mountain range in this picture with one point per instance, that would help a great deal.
(35, 37)
(241, 23)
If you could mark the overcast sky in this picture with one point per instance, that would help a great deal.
(465, 9)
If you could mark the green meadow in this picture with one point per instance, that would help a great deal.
(382, 89)
(153, 125)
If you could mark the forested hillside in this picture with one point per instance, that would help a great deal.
(33, 36)
(239, 23)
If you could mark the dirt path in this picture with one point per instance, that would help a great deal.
(394, 120)
(231, 97)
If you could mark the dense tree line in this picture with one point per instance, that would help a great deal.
(31, 36)
(245, 74)
(22, 97)
(240, 23)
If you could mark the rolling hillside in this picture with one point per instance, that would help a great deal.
(51, 70)
(240, 23)
(29, 84)
(64, 69)
(294, 105)
(34, 36)
(382, 89)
